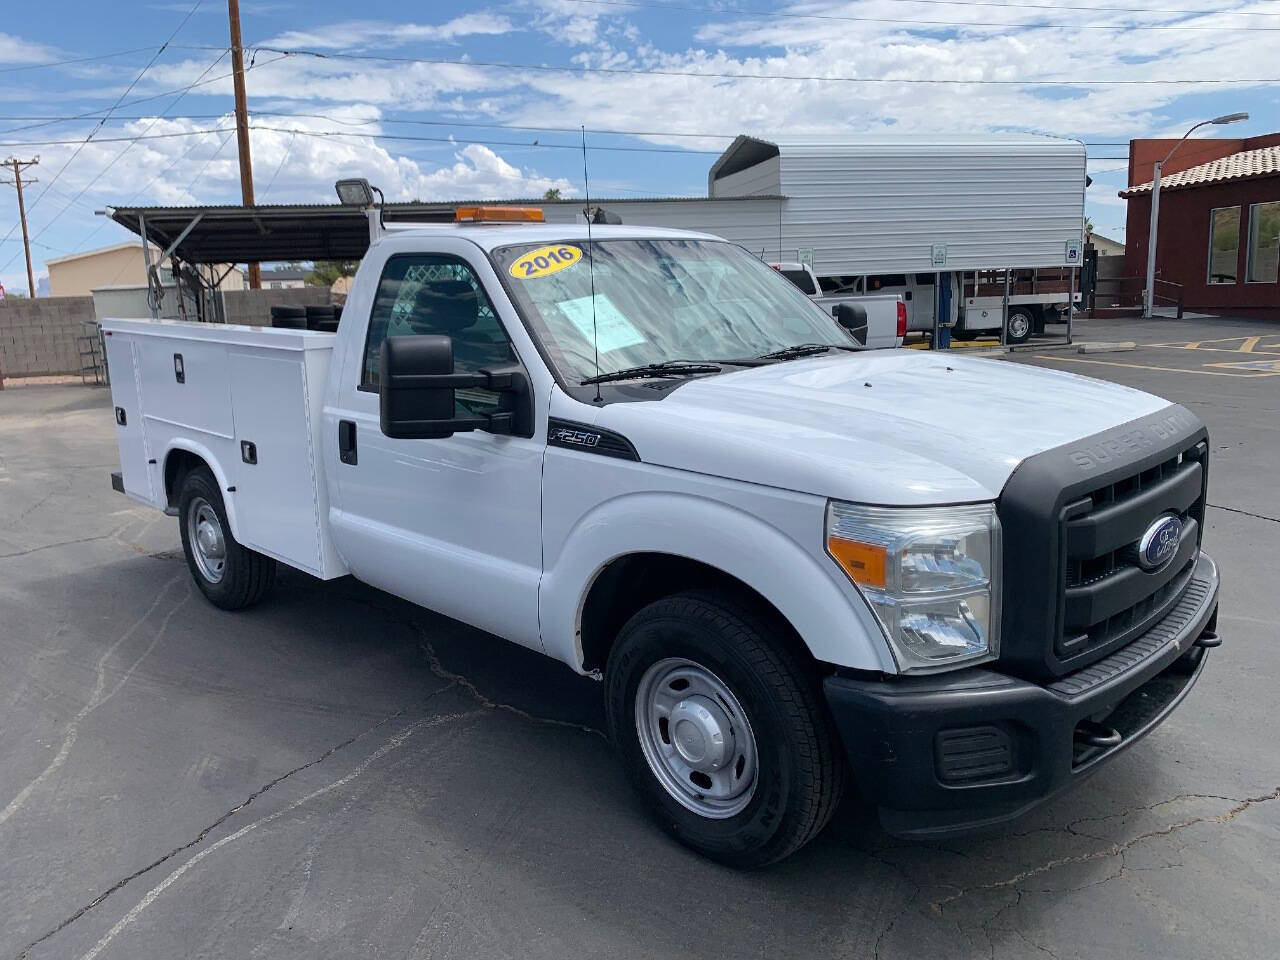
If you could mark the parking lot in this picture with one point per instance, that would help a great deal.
(337, 773)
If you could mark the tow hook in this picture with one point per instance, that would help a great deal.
(1208, 640)
(1097, 734)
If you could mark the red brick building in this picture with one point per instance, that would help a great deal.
(1219, 233)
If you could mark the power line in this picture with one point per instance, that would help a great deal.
(954, 3)
(536, 144)
(417, 121)
(119, 99)
(63, 63)
(129, 146)
(212, 156)
(95, 114)
(932, 23)
(654, 71)
(280, 166)
(344, 133)
(156, 56)
(129, 139)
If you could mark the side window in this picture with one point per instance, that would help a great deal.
(802, 279)
(1224, 244)
(437, 294)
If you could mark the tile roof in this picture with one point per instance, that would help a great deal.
(1238, 166)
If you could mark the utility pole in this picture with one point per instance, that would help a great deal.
(242, 126)
(18, 166)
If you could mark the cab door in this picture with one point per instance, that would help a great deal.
(452, 524)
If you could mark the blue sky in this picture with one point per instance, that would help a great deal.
(371, 107)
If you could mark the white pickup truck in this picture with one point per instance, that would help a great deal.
(882, 317)
(645, 454)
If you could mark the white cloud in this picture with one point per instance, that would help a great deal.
(481, 174)
(292, 162)
(359, 34)
(16, 50)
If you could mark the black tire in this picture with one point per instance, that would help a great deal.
(321, 317)
(801, 767)
(962, 333)
(289, 316)
(1020, 329)
(246, 576)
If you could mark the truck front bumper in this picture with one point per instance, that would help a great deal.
(954, 753)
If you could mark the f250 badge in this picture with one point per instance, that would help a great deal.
(576, 438)
(1159, 542)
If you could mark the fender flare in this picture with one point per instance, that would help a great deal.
(188, 445)
(826, 611)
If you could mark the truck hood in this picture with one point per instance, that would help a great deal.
(886, 427)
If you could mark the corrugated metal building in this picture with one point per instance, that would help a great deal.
(880, 204)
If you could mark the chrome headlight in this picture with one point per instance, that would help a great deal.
(931, 574)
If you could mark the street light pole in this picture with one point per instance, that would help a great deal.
(1149, 292)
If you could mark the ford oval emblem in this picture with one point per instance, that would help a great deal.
(1160, 542)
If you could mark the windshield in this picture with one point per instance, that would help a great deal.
(657, 301)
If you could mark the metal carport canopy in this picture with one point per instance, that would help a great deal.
(270, 232)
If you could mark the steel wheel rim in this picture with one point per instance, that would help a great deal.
(1019, 326)
(208, 543)
(696, 738)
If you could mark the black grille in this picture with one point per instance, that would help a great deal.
(1107, 597)
(1071, 518)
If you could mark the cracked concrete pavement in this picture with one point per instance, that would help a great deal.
(338, 773)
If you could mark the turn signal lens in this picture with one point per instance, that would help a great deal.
(864, 562)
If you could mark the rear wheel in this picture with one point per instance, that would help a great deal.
(230, 576)
(1021, 323)
(722, 729)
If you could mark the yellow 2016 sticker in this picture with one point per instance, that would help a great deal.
(545, 261)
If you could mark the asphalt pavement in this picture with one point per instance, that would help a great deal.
(337, 773)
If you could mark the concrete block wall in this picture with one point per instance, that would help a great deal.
(254, 306)
(38, 337)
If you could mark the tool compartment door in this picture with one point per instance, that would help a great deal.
(126, 398)
(276, 497)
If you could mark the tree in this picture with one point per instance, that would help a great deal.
(1088, 225)
(324, 273)
(553, 193)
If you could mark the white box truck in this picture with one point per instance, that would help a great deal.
(645, 454)
(877, 215)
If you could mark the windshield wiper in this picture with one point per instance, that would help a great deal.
(799, 350)
(665, 369)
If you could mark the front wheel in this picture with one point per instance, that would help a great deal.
(722, 729)
(229, 575)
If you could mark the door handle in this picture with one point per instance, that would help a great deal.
(347, 441)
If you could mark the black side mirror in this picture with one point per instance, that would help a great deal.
(417, 387)
(853, 318)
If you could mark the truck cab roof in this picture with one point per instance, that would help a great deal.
(489, 236)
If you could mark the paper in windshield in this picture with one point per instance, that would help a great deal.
(613, 330)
